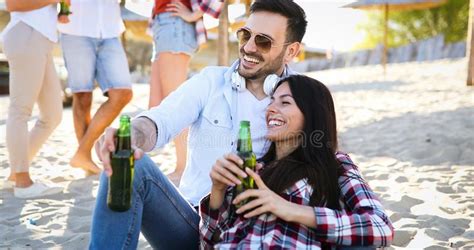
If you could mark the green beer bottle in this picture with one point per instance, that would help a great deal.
(244, 151)
(64, 9)
(122, 161)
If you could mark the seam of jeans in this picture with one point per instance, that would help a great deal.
(131, 228)
(134, 218)
(173, 201)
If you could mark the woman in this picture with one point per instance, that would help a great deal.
(28, 42)
(309, 195)
(177, 32)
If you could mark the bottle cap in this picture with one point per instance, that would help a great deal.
(244, 123)
(124, 118)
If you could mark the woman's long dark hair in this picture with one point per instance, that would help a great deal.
(315, 158)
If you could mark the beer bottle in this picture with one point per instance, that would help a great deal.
(244, 151)
(64, 9)
(122, 161)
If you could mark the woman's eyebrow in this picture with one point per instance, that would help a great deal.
(285, 95)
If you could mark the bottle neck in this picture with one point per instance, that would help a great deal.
(244, 143)
(64, 8)
(123, 136)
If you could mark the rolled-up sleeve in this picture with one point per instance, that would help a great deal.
(364, 223)
(211, 7)
(213, 221)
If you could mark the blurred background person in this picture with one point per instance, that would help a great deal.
(93, 52)
(178, 31)
(28, 41)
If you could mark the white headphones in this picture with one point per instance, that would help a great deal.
(238, 82)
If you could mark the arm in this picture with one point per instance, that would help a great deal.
(210, 7)
(369, 225)
(179, 9)
(144, 133)
(27, 5)
(215, 209)
(213, 221)
(180, 109)
(366, 219)
(156, 127)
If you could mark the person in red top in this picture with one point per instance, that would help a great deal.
(177, 33)
(309, 196)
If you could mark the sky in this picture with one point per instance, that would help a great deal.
(329, 26)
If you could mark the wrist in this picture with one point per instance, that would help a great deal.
(197, 15)
(291, 212)
(217, 189)
(216, 198)
(144, 133)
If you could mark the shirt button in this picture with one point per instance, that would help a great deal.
(216, 121)
(232, 143)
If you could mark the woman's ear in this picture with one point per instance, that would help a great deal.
(292, 51)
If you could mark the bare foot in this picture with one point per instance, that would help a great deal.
(84, 162)
(175, 178)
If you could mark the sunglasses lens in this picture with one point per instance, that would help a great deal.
(243, 36)
(264, 43)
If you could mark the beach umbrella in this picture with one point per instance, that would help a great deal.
(392, 5)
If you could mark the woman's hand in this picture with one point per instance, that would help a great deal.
(263, 200)
(179, 9)
(225, 171)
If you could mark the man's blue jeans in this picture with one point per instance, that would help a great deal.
(164, 217)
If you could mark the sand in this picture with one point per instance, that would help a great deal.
(411, 132)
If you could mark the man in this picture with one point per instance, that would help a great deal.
(212, 103)
(92, 51)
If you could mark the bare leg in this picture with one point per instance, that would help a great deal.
(155, 88)
(81, 111)
(12, 175)
(23, 180)
(104, 116)
(172, 71)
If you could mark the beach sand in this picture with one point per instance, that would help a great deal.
(411, 133)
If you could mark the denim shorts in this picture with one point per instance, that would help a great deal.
(173, 34)
(88, 59)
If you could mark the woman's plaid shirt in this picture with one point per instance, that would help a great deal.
(210, 7)
(361, 222)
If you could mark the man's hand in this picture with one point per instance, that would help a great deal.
(106, 145)
(64, 18)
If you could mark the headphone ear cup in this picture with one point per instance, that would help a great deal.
(270, 83)
(238, 82)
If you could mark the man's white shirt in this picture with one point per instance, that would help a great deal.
(94, 18)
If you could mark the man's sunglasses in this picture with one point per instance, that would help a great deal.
(263, 42)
